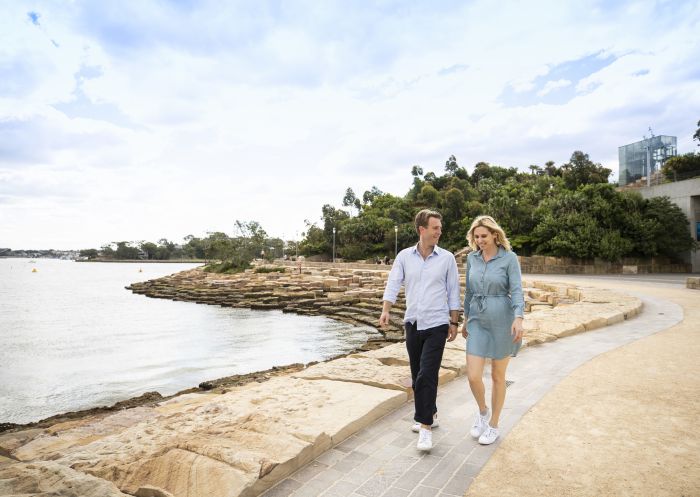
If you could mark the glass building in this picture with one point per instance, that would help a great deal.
(646, 156)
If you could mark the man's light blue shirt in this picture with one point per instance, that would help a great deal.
(432, 286)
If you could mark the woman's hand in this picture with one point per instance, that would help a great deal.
(516, 329)
(463, 330)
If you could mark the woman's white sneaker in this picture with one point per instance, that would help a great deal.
(480, 424)
(425, 439)
(489, 436)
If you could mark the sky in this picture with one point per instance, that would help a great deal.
(141, 120)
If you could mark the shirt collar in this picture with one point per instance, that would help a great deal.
(436, 250)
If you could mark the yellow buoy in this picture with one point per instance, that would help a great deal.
(34, 270)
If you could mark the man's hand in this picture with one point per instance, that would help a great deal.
(384, 319)
(451, 332)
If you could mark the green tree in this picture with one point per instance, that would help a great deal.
(580, 170)
(673, 233)
(369, 195)
(150, 249)
(680, 167)
(550, 169)
(696, 136)
(429, 195)
(126, 252)
(89, 253)
(193, 247)
(314, 241)
(351, 200)
(107, 252)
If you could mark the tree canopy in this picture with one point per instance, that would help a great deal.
(568, 210)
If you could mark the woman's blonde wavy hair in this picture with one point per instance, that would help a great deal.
(490, 224)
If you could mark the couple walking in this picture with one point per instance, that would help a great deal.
(493, 314)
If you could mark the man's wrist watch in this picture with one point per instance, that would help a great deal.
(452, 323)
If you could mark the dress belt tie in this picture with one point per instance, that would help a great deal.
(481, 299)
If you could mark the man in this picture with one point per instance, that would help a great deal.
(431, 280)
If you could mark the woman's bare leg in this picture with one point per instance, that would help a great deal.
(498, 392)
(475, 372)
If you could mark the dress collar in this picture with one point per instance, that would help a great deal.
(500, 253)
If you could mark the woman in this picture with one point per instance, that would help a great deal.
(493, 319)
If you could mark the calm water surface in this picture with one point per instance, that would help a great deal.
(71, 337)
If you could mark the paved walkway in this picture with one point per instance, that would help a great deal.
(382, 461)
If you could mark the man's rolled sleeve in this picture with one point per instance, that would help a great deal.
(394, 282)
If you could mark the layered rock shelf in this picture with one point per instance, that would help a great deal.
(349, 296)
(239, 441)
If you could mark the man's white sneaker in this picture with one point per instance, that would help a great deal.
(416, 426)
(480, 424)
(489, 436)
(425, 439)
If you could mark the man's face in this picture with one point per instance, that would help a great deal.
(431, 234)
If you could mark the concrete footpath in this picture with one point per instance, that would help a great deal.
(606, 412)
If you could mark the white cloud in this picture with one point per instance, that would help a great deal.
(550, 86)
(250, 113)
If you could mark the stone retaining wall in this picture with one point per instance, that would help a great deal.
(567, 265)
(240, 441)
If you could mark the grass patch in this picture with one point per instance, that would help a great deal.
(226, 267)
(267, 269)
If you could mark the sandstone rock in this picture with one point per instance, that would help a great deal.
(61, 437)
(151, 491)
(47, 478)
(364, 370)
(238, 443)
(368, 371)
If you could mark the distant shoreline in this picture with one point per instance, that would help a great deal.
(150, 261)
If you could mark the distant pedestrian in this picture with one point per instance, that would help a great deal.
(431, 280)
(493, 319)
(386, 260)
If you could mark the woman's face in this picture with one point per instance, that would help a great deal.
(484, 238)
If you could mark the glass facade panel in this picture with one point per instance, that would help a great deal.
(634, 157)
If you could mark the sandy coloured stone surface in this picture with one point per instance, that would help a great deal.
(48, 478)
(231, 444)
(368, 371)
(623, 424)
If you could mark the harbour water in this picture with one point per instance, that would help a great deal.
(72, 337)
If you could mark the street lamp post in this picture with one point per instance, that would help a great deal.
(396, 241)
(334, 245)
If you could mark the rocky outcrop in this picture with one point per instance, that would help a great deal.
(346, 295)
